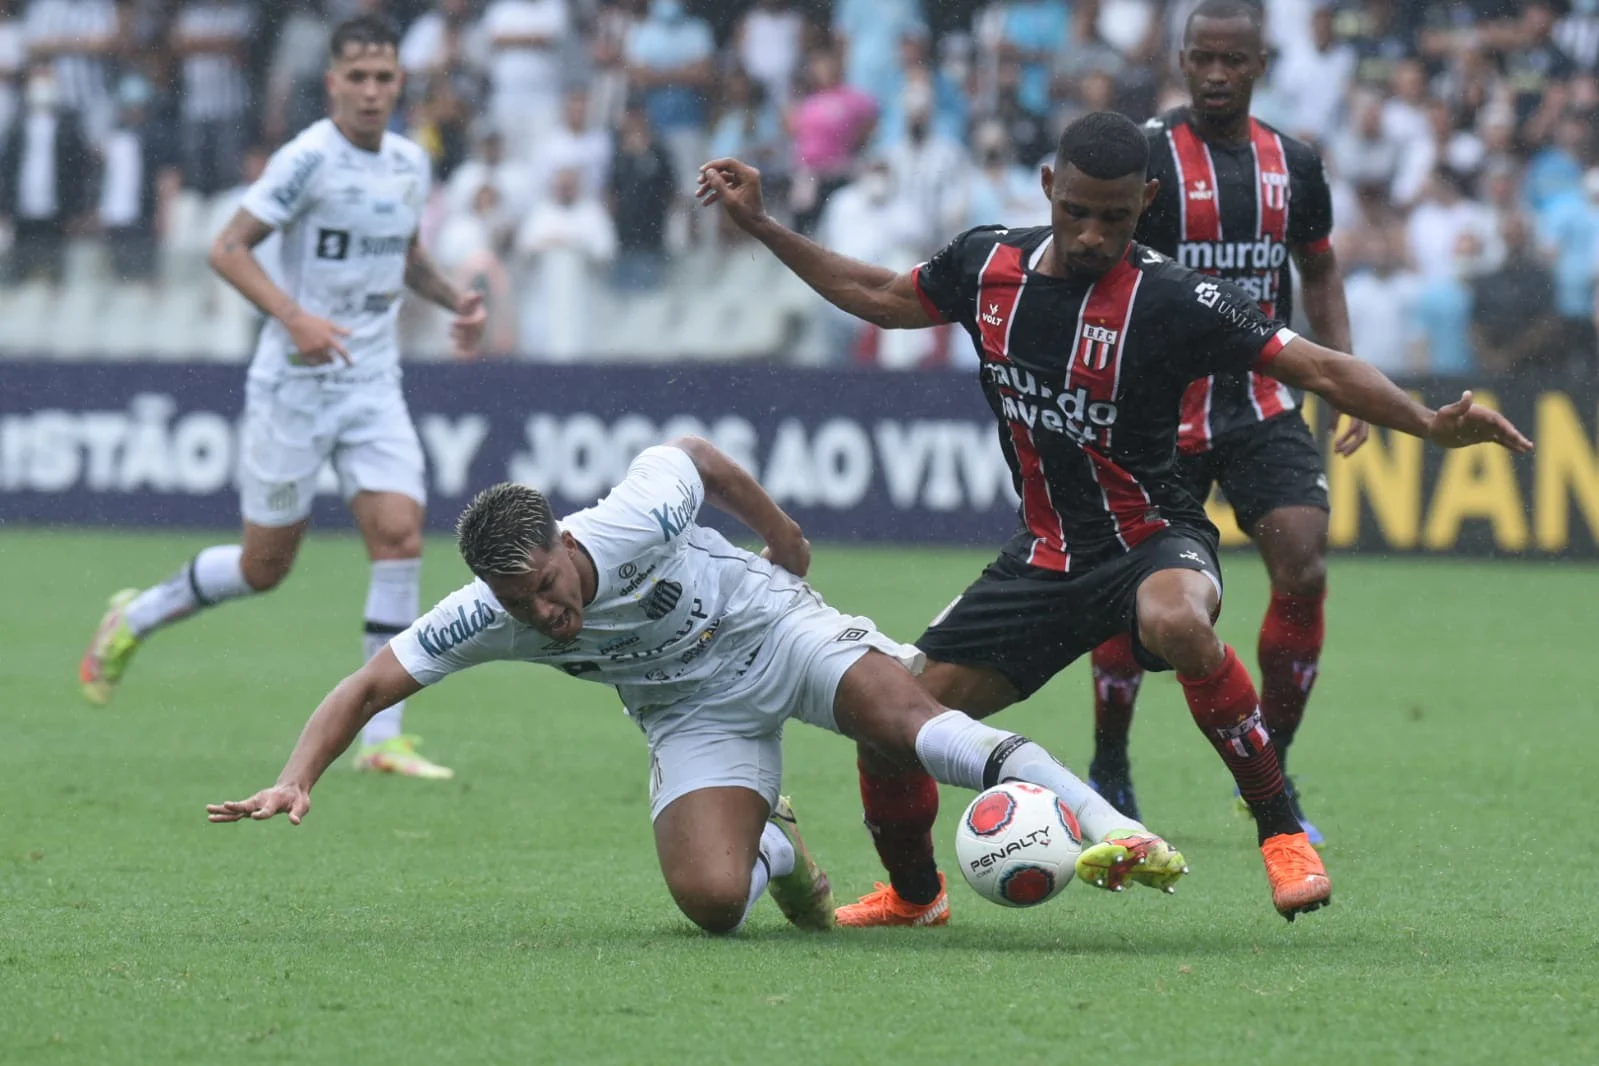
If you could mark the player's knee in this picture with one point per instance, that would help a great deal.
(263, 573)
(714, 903)
(397, 542)
(1305, 574)
(1180, 633)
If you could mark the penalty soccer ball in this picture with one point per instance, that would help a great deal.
(1018, 844)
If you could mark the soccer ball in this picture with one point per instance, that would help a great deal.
(1018, 844)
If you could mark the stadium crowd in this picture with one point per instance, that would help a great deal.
(1459, 136)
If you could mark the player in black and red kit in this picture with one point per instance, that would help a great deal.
(1240, 200)
(1087, 343)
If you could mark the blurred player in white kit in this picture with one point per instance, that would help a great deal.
(346, 196)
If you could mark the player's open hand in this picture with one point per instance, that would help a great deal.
(734, 185)
(279, 799)
(317, 341)
(1462, 424)
(467, 330)
(1354, 435)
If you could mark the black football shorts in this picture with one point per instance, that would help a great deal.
(1030, 624)
(1265, 466)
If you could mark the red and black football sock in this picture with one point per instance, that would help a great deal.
(1117, 677)
(1290, 654)
(900, 811)
(1227, 711)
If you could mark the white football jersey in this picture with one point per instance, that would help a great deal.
(347, 218)
(677, 607)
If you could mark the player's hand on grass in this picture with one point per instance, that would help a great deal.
(792, 555)
(1354, 435)
(1462, 423)
(467, 329)
(317, 341)
(734, 185)
(279, 799)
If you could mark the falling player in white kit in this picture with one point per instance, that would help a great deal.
(712, 649)
(325, 382)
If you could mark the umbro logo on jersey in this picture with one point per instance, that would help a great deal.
(332, 244)
(1201, 190)
(992, 316)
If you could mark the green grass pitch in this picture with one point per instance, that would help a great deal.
(517, 915)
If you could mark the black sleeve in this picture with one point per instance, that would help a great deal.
(1158, 226)
(1213, 327)
(947, 283)
(1310, 217)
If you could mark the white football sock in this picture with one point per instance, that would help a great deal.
(392, 599)
(958, 750)
(774, 859)
(204, 581)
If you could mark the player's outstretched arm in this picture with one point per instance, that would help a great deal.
(871, 293)
(423, 277)
(1327, 308)
(1361, 390)
(731, 488)
(316, 340)
(381, 683)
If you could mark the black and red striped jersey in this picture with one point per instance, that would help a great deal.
(1086, 378)
(1235, 212)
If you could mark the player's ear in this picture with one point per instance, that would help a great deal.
(1151, 188)
(1046, 178)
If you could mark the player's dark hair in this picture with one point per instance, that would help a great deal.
(1104, 145)
(502, 526)
(363, 31)
(1221, 10)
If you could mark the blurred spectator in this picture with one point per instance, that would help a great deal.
(1363, 152)
(920, 79)
(1031, 34)
(1514, 325)
(613, 22)
(467, 248)
(563, 242)
(295, 96)
(576, 144)
(1029, 135)
(1536, 69)
(768, 45)
(13, 61)
(1443, 312)
(870, 32)
(829, 126)
(514, 182)
(1404, 121)
(750, 128)
(1568, 230)
(78, 38)
(670, 63)
(441, 123)
(1131, 27)
(523, 38)
(931, 169)
(140, 172)
(1382, 296)
(44, 170)
(211, 37)
(1459, 150)
(1577, 35)
(1314, 79)
(643, 189)
(442, 39)
(1436, 224)
(1381, 44)
(870, 219)
(1002, 191)
(1557, 168)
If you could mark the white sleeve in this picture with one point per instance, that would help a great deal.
(653, 507)
(287, 187)
(466, 628)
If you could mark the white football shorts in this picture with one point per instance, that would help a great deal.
(734, 737)
(294, 425)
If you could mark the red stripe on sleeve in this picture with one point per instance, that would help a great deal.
(921, 294)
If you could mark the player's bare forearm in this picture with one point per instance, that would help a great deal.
(1352, 386)
(731, 488)
(381, 683)
(423, 277)
(233, 258)
(872, 293)
(1322, 285)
